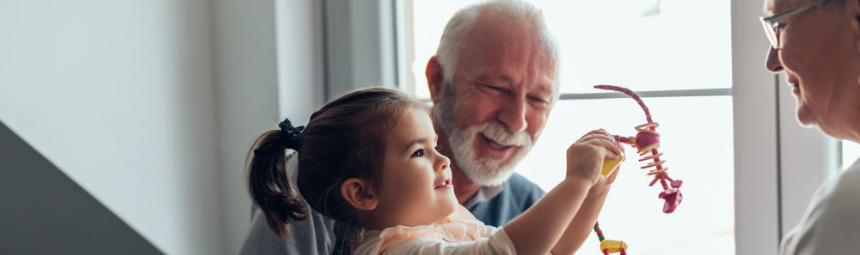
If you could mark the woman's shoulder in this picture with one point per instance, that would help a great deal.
(847, 188)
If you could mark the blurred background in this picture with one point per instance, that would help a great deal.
(124, 125)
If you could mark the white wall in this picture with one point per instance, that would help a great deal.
(755, 130)
(361, 45)
(150, 106)
(246, 75)
(301, 62)
(119, 95)
(268, 67)
(57, 217)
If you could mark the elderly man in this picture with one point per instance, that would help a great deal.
(493, 82)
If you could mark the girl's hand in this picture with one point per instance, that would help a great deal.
(601, 187)
(585, 156)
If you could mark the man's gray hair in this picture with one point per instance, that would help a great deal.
(458, 27)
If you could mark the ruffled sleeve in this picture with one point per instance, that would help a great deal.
(452, 237)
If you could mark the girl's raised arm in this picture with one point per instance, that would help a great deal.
(539, 228)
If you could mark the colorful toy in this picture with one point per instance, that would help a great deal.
(646, 142)
(609, 246)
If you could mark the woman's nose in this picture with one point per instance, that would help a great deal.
(772, 60)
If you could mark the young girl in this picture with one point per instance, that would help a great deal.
(368, 159)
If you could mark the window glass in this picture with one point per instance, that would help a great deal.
(697, 143)
(850, 153)
(646, 44)
(429, 19)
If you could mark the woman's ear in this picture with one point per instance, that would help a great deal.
(358, 194)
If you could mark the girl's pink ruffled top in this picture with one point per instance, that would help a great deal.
(449, 230)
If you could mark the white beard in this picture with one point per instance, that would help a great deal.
(485, 171)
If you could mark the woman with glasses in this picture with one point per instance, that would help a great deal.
(817, 44)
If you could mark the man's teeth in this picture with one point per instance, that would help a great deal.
(496, 145)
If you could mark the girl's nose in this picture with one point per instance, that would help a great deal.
(442, 163)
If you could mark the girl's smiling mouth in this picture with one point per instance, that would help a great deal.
(445, 184)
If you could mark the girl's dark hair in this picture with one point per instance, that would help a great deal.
(342, 140)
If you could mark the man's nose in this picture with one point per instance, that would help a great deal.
(772, 60)
(513, 114)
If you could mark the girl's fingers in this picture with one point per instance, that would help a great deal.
(611, 178)
(614, 152)
(602, 139)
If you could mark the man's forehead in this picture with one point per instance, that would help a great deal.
(543, 72)
(546, 85)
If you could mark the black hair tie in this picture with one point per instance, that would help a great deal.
(289, 137)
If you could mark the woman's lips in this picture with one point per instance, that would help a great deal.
(795, 88)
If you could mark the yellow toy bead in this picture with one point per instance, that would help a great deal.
(610, 165)
(612, 246)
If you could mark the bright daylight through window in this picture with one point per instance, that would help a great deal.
(647, 45)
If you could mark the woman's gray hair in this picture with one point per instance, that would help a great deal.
(798, 2)
(458, 28)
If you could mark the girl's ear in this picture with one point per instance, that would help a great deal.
(358, 194)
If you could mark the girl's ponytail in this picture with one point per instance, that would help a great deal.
(268, 179)
(344, 139)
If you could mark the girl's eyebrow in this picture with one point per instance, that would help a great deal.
(419, 140)
(413, 142)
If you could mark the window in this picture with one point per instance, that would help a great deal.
(645, 46)
(850, 153)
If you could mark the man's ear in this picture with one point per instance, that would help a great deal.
(435, 78)
(358, 194)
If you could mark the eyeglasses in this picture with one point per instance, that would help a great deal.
(773, 24)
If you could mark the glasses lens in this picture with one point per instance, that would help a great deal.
(771, 31)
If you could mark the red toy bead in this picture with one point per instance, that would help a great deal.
(644, 139)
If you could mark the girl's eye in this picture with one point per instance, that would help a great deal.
(437, 148)
(418, 153)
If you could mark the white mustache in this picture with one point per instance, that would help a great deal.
(497, 132)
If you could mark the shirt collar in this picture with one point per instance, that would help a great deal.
(485, 193)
